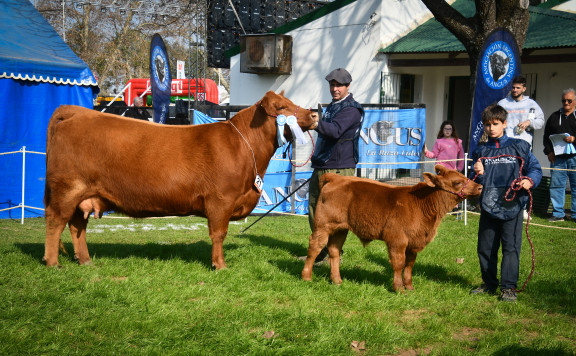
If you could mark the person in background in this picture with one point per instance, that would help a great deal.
(336, 148)
(447, 146)
(138, 111)
(501, 220)
(563, 165)
(524, 114)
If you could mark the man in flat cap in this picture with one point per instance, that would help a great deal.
(337, 144)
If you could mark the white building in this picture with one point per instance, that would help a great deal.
(397, 52)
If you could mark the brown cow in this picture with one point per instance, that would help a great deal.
(97, 162)
(405, 217)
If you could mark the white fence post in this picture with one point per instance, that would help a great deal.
(23, 180)
(466, 200)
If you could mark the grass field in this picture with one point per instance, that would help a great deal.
(152, 291)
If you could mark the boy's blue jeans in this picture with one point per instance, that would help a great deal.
(492, 233)
(558, 185)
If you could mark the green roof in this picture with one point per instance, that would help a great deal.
(547, 29)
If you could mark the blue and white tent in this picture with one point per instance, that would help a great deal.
(38, 73)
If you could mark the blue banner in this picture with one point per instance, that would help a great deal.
(277, 187)
(201, 118)
(160, 78)
(498, 64)
(392, 136)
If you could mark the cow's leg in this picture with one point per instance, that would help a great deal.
(218, 228)
(335, 243)
(318, 240)
(54, 227)
(77, 226)
(410, 259)
(397, 260)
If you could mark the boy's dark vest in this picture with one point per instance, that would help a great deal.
(325, 147)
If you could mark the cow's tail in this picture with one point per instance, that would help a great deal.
(325, 179)
(61, 113)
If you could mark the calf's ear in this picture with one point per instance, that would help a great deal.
(440, 169)
(430, 179)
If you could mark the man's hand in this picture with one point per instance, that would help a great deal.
(551, 157)
(524, 125)
(569, 139)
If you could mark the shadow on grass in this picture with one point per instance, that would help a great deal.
(296, 249)
(354, 273)
(199, 251)
(552, 296)
(527, 351)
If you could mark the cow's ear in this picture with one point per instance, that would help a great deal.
(267, 102)
(430, 179)
(440, 169)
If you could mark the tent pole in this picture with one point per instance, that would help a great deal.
(23, 180)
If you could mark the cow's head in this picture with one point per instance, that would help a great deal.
(277, 104)
(498, 65)
(453, 182)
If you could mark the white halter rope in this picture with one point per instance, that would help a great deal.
(292, 123)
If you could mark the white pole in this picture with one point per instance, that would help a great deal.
(465, 200)
(23, 180)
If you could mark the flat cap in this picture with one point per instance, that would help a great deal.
(340, 75)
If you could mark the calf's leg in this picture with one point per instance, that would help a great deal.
(318, 240)
(410, 259)
(397, 260)
(335, 243)
(77, 226)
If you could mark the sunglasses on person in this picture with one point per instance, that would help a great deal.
(569, 101)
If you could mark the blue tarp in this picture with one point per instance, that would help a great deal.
(38, 73)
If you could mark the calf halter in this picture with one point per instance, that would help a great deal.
(461, 192)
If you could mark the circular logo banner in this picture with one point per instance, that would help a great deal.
(498, 64)
(160, 68)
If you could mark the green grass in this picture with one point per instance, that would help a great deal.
(152, 291)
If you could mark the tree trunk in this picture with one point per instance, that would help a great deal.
(472, 32)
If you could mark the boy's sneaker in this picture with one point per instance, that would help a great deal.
(483, 289)
(508, 295)
(555, 219)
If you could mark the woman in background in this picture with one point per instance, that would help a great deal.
(447, 147)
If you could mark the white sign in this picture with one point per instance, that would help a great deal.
(180, 70)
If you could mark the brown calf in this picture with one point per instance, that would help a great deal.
(96, 162)
(406, 218)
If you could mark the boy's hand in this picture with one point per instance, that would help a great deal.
(526, 184)
(479, 168)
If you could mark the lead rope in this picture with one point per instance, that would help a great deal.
(309, 158)
(515, 186)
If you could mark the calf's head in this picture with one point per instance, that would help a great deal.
(453, 182)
